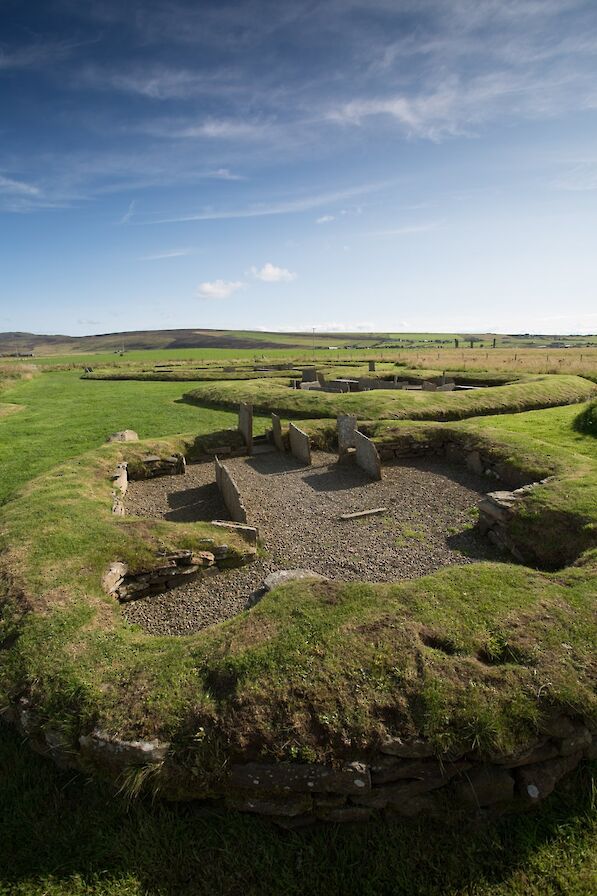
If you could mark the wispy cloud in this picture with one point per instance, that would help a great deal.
(171, 253)
(225, 174)
(286, 207)
(17, 187)
(129, 212)
(270, 273)
(579, 178)
(218, 289)
(407, 229)
(325, 219)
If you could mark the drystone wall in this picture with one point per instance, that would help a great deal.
(230, 493)
(399, 776)
(300, 444)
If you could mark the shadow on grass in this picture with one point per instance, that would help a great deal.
(62, 834)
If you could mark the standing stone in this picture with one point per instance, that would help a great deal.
(371, 366)
(446, 387)
(346, 426)
(367, 456)
(429, 387)
(309, 375)
(245, 424)
(277, 432)
(299, 444)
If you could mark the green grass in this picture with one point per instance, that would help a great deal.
(540, 392)
(61, 835)
(349, 651)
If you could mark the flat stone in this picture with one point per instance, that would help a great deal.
(125, 435)
(291, 777)
(282, 576)
(535, 782)
(114, 576)
(114, 751)
(359, 513)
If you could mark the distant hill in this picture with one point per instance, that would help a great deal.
(140, 340)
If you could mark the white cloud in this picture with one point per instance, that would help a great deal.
(17, 187)
(218, 289)
(269, 273)
(225, 174)
(325, 219)
(581, 178)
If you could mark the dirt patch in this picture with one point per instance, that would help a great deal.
(428, 524)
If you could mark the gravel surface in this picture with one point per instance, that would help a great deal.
(430, 509)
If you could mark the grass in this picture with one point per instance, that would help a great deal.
(61, 835)
(353, 653)
(541, 392)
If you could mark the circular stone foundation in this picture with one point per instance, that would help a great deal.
(428, 522)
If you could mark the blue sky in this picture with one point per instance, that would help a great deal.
(374, 165)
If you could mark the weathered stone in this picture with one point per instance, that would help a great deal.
(114, 577)
(407, 748)
(386, 769)
(371, 366)
(112, 751)
(346, 425)
(125, 435)
(485, 785)
(277, 432)
(397, 795)
(535, 782)
(366, 456)
(540, 753)
(248, 532)
(230, 493)
(421, 803)
(446, 387)
(300, 444)
(579, 740)
(120, 477)
(358, 514)
(429, 387)
(282, 576)
(245, 423)
(558, 726)
(474, 462)
(290, 777)
(309, 375)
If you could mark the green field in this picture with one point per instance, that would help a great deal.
(63, 835)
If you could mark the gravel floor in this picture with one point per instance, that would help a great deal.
(430, 508)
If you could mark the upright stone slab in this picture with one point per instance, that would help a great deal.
(277, 432)
(299, 444)
(429, 387)
(447, 387)
(366, 455)
(321, 379)
(245, 424)
(371, 366)
(346, 426)
(230, 493)
(309, 375)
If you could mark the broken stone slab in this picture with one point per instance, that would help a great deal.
(484, 786)
(249, 532)
(125, 435)
(291, 777)
(101, 747)
(346, 425)
(360, 513)
(114, 576)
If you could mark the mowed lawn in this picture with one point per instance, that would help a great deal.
(61, 416)
(63, 835)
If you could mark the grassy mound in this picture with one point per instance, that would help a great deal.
(315, 671)
(539, 392)
(586, 422)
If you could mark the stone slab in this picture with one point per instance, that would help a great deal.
(245, 423)
(346, 426)
(230, 493)
(367, 456)
(277, 432)
(309, 375)
(300, 444)
(360, 513)
(125, 435)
